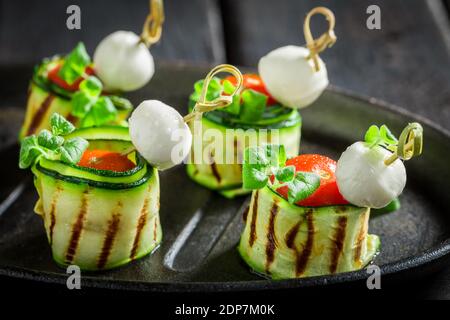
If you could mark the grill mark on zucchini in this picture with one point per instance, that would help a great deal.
(113, 227)
(271, 237)
(214, 169)
(360, 239)
(52, 213)
(39, 115)
(141, 224)
(338, 242)
(77, 228)
(252, 237)
(245, 214)
(291, 235)
(302, 257)
(155, 226)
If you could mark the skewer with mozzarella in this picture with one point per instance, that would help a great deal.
(369, 175)
(296, 76)
(122, 59)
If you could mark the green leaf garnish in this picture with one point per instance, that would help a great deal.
(47, 140)
(380, 136)
(302, 186)
(258, 164)
(213, 92)
(92, 108)
(228, 87)
(249, 106)
(72, 150)
(29, 151)
(74, 64)
(285, 174)
(253, 105)
(91, 86)
(60, 126)
(52, 145)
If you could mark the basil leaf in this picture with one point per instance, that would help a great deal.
(372, 134)
(254, 178)
(74, 64)
(59, 125)
(72, 150)
(387, 135)
(276, 155)
(213, 92)
(121, 102)
(82, 104)
(228, 87)
(29, 151)
(91, 86)
(253, 105)
(104, 111)
(285, 174)
(235, 106)
(47, 140)
(303, 185)
(257, 163)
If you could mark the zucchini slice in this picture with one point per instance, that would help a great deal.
(226, 176)
(45, 98)
(99, 219)
(283, 241)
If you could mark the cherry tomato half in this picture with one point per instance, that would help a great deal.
(106, 160)
(328, 192)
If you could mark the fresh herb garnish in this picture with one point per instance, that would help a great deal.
(381, 136)
(90, 106)
(74, 64)
(249, 106)
(265, 165)
(52, 145)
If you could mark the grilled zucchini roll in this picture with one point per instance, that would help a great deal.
(309, 215)
(253, 118)
(76, 95)
(100, 208)
(298, 224)
(283, 240)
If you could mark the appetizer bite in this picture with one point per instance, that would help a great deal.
(253, 117)
(67, 86)
(86, 93)
(98, 187)
(309, 215)
(100, 207)
(266, 110)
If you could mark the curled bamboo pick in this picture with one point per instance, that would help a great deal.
(409, 145)
(151, 32)
(326, 40)
(203, 105)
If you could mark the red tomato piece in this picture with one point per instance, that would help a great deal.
(328, 192)
(60, 82)
(106, 160)
(254, 82)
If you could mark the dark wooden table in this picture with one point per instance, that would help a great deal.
(406, 62)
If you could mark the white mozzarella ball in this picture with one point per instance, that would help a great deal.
(364, 179)
(290, 78)
(159, 134)
(122, 63)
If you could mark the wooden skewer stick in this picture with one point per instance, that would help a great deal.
(410, 144)
(326, 40)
